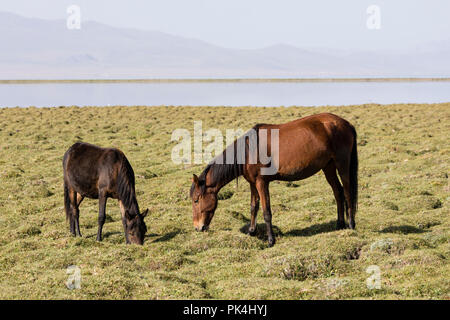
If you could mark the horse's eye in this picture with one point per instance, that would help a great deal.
(196, 201)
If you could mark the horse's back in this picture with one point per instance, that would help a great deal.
(86, 152)
(306, 145)
(314, 132)
(314, 122)
(87, 167)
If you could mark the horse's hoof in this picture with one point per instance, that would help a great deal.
(340, 225)
(271, 243)
(252, 232)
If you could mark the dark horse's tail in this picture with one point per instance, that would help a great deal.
(354, 174)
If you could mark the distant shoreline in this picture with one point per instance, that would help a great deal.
(250, 80)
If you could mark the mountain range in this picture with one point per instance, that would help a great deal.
(46, 49)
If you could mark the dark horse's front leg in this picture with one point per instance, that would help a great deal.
(263, 191)
(101, 214)
(254, 207)
(124, 222)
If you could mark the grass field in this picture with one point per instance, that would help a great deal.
(402, 226)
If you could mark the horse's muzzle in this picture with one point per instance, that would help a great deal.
(202, 228)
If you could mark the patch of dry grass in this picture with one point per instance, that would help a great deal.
(402, 226)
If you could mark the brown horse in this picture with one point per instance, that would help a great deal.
(101, 173)
(304, 147)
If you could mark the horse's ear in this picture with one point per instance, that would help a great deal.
(195, 179)
(144, 214)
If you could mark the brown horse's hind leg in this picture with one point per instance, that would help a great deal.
(344, 173)
(338, 191)
(263, 191)
(254, 207)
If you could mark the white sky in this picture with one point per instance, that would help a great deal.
(257, 23)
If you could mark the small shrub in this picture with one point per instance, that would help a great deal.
(42, 192)
(303, 268)
(383, 245)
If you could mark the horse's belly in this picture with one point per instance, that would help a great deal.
(296, 173)
(85, 187)
(86, 192)
(299, 168)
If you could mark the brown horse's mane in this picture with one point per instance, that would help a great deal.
(125, 187)
(222, 173)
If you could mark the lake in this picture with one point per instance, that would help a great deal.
(222, 93)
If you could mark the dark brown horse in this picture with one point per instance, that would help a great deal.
(101, 173)
(304, 147)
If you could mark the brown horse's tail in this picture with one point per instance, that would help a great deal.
(354, 174)
(66, 201)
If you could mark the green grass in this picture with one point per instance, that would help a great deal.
(402, 225)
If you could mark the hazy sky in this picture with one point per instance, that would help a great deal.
(258, 23)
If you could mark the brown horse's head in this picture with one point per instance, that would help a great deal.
(135, 227)
(204, 204)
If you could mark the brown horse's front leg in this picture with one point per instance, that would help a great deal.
(254, 207)
(263, 191)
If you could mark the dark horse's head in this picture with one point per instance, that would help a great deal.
(135, 228)
(133, 219)
(204, 203)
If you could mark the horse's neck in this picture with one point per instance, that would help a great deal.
(132, 205)
(216, 186)
(224, 176)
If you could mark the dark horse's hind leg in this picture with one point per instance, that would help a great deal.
(68, 207)
(338, 191)
(75, 200)
(101, 214)
(72, 225)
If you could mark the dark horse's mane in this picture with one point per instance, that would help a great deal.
(125, 186)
